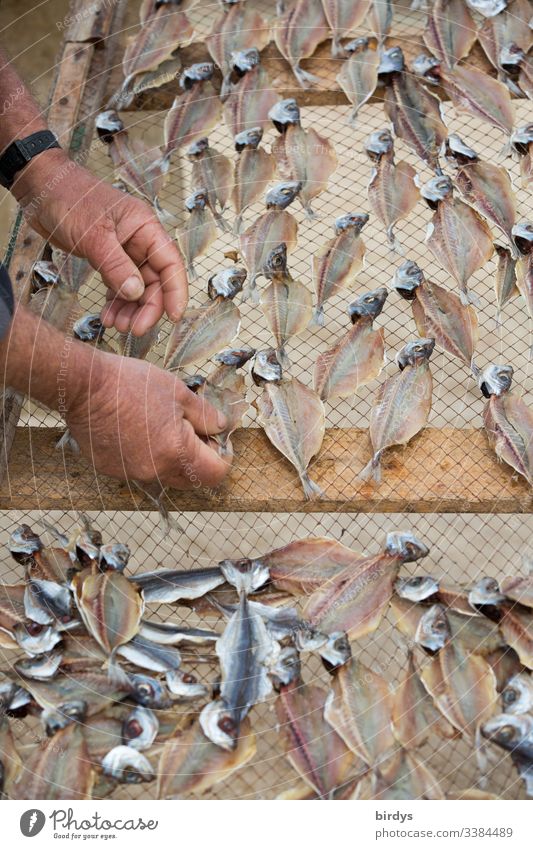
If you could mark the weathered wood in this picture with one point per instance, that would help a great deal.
(89, 22)
(66, 98)
(448, 470)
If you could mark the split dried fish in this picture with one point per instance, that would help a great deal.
(47, 775)
(251, 97)
(523, 239)
(127, 765)
(414, 716)
(343, 19)
(40, 668)
(450, 31)
(292, 416)
(303, 156)
(522, 146)
(287, 303)
(519, 589)
(166, 586)
(297, 35)
(418, 588)
(403, 776)
(392, 190)
(254, 170)
(402, 404)
(457, 236)
(415, 113)
(511, 26)
(10, 761)
(505, 279)
(359, 356)
(380, 19)
(195, 111)
(306, 565)
(238, 27)
(355, 600)
(487, 8)
(439, 314)
(515, 734)
(111, 607)
(358, 76)
(338, 261)
(203, 331)
(190, 762)
(272, 228)
(200, 230)
(508, 421)
(213, 173)
(517, 697)
(516, 626)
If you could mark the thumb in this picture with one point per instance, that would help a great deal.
(204, 418)
(118, 271)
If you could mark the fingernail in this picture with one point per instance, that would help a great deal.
(132, 288)
(221, 420)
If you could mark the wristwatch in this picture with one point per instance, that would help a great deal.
(20, 152)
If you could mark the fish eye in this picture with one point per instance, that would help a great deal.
(33, 629)
(227, 725)
(509, 696)
(144, 689)
(133, 728)
(507, 732)
(188, 678)
(370, 299)
(440, 625)
(417, 348)
(415, 582)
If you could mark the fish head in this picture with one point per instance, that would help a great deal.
(495, 380)
(35, 638)
(357, 45)
(140, 728)
(55, 720)
(198, 148)
(44, 274)
(89, 328)
(392, 61)
(248, 139)
(24, 542)
(148, 691)
(522, 138)
(184, 685)
(242, 61)
(523, 237)
(415, 353)
(433, 629)
(282, 195)
(127, 765)
(276, 262)
(194, 381)
(368, 304)
(418, 588)
(266, 368)
(198, 73)
(236, 357)
(284, 113)
(509, 731)
(458, 153)
(245, 575)
(351, 221)
(511, 57)
(286, 669)
(437, 189)
(114, 557)
(485, 591)
(407, 278)
(309, 638)
(406, 546)
(226, 283)
(426, 67)
(198, 200)
(336, 651)
(107, 124)
(219, 726)
(517, 695)
(378, 144)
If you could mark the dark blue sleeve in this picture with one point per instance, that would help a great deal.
(6, 301)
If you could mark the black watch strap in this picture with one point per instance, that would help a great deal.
(20, 152)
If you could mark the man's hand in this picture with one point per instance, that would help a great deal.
(139, 422)
(119, 235)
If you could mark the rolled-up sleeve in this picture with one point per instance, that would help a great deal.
(6, 301)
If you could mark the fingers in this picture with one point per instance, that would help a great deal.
(199, 413)
(198, 463)
(166, 260)
(118, 271)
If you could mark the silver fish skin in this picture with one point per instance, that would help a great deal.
(487, 8)
(402, 405)
(287, 304)
(514, 733)
(89, 328)
(36, 643)
(168, 634)
(522, 146)
(148, 692)
(418, 588)
(114, 556)
(517, 696)
(127, 765)
(358, 76)
(433, 629)
(169, 585)
(42, 668)
(48, 603)
(219, 725)
(338, 260)
(147, 654)
(24, 541)
(184, 685)
(485, 591)
(140, 728)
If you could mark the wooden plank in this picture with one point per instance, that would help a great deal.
(66, 98)
(448, 470)
(89, 22)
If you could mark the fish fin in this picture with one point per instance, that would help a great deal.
(475, 369)
(352, 120)
(166, 522)
(221, 223)
(318, 319)
(245, 577)
(311, 489)
(225, 88)
(372, 470)
(337, 50)
(68, 443)
(282, 356)
(191, 271)
(250, 292)
(305, 79)
(393, 241)
(237, 224)
(310, 213)
(164, 216)
(468, 298)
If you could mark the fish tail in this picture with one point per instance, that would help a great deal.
(337, 50)
(68, 443)
(221, 223)
(225, 88)
(352, 120)
(245, 576)
(311, 489)
(393, 241)
(372, 470)
(282, 356)
(305, 79)
(318, 319)
(250, 292)
(165, 217)
(498, 321)
(237, 224)
(468, 298)
(310, 213)
(474, 368)
(505, 151)
(191, 271)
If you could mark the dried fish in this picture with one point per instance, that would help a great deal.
(511, 26)
(200, 230)
(439, 314)
(484, 186)
(194, 112)
(505, 279)
(508, 421)
(359, 708)
(516, 626)
(166, 586)
(433, 629)
(523, 239)
(313, 748)
(356, 598)
(73, 270)
(140, 728)
(58, 769)
(380, 19)
(205, 330)
(48, 603)
(305, 565)
(402, 404)
(297, 35)
(287, 304)
(515, 734)
(517, 696)
(392, 190)
(414, 716)
(403, 776)
(127, 765)
(190, 762)
(212, 172)
(338, 261)
(254, 169)
(292, 416)
(457, 236)
(239, 27)
(251, 97)
(10, 761)
(272, 228)
(343, 19)
(522, 146)
(110, 605)
(419, 588)
(358, 76)
(359, 356)
(519, 588)
(36, 639)
(303, 156)
(414, 112)
(146, 654)
(487, 8)
(41, 668)
(450, 31)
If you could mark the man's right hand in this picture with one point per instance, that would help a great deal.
(137, 422)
